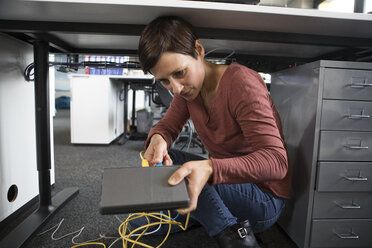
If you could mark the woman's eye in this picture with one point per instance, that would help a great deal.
(164, 82)
(179, 73)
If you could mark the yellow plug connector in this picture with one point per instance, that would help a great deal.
(145, 163)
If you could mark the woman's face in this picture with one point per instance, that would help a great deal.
(181, 74)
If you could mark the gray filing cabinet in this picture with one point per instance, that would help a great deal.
(326, 111)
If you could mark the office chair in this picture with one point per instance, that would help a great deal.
(163, 96)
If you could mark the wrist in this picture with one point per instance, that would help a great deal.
(210, 169)
(157, 137)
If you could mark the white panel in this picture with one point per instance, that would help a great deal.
(94, 110)
(52, 114)
(17, 126)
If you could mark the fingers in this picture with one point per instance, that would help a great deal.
(176, 178)
(154, 155)
(149, 153)
(193, 203)
(197, 174)
(160, 157)
(157, 156)
(157, 151)
(179, 175)
(167, 160)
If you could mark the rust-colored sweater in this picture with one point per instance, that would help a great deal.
(242, 131)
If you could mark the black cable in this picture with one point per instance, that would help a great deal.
(73, 67)
(29, 73)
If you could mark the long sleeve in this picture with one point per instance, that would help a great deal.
(252, 108)
(241, 131)
(173, 121)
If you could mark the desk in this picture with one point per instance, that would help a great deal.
(135, 83)
(48, 205)
(99, 106)
(113, 27)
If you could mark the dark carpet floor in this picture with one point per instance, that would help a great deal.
(81, 166)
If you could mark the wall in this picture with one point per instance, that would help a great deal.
(17, 127)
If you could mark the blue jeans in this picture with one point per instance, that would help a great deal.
(221, 206)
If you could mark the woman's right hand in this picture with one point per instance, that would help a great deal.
(157, 151)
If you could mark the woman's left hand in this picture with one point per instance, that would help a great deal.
(197, 174)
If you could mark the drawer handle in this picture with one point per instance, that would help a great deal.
(360, 85)
(352, 206)
(351, 235)
(358, 116)
(356, 178)
(356, 147)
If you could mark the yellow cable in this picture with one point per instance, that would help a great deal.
(91, 243)
(141, 152)
(163, 220)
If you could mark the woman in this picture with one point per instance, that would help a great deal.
(243, 186)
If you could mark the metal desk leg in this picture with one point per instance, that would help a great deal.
(124, 138)
(133, 111)
(47, 205)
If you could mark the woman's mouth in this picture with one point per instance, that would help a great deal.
(185, 94)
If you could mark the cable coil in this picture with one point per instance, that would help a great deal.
(29, 73)
(124, 232)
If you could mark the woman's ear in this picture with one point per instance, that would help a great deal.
(199, 48)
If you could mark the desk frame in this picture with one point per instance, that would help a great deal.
(127, 82)
(48, 205)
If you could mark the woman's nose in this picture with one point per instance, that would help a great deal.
(176, 87)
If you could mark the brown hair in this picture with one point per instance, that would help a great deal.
(165, 34)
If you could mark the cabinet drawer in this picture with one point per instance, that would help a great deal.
(341, 233)
(347, 84)
(342, 205)
(346, 115)
(345, 146)
(343, 176)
